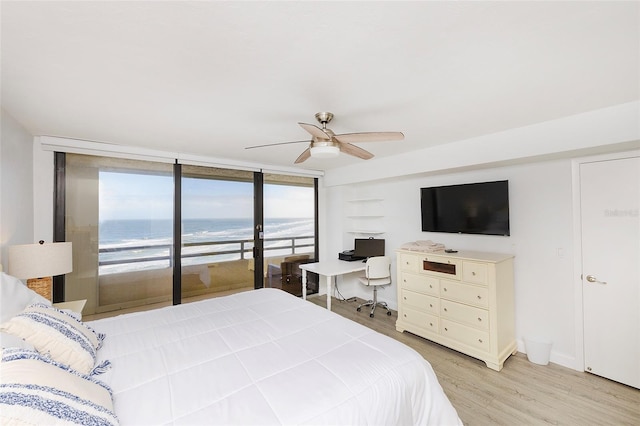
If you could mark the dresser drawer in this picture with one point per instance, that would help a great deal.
(475, 317)
(469, 336)
(471, 294)
(441, 267)
(420, 301)
(420, 283)
(420, 319)
(411, 263)
(474, 272)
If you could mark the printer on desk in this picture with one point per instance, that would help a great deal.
(349, 256)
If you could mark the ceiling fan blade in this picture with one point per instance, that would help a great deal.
(369, 137)
(356, 151)
(274, 144)
(315, 131)
(304, 156)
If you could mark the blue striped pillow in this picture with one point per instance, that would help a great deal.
(36, 390)
(57, 334)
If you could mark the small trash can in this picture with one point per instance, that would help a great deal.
(538, 350)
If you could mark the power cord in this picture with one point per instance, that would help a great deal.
(341, 298)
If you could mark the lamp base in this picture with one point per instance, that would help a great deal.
(42, 286)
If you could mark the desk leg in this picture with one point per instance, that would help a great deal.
(304, 284)
(329, 278)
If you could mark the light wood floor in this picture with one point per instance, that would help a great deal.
(522, 393)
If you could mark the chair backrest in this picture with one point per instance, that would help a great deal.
(378, 267)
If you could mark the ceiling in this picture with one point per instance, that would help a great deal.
(212, 78)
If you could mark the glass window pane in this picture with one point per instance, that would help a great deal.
(119, 216)
(289, 231)
(217, 231)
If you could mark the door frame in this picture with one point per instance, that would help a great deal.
(577, 244)
(258, 230)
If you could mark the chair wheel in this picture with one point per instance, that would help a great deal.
(389, 313)
(371, 315)
(358, 309)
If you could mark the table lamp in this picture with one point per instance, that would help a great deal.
(38, 263)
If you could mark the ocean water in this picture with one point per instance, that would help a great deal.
(214, 240)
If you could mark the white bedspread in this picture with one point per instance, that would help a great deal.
(264, 357)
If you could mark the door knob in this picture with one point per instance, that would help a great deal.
(592, 279)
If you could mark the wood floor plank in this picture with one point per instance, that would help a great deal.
(522, 393)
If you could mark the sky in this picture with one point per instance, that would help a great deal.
(146, 196)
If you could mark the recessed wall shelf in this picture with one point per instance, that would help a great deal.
(365, 216)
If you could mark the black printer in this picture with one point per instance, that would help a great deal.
(349, 256)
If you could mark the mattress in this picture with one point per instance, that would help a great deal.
(263, 357)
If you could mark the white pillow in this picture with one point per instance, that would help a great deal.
(15, 296)
(57, 335)
(36, 391)
(10, 341)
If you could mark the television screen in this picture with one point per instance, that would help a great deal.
(368, 247)
(475, 208)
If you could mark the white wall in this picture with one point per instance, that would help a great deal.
(16, 186)
(541, 210)
(43, 177)
(540, 196)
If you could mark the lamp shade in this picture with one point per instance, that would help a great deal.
(325, 151)
(40, 260)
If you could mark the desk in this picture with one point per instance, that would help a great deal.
(329, 269)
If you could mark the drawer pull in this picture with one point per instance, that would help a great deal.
(405, 297)
(431, 305)
(445, 309)
(480, 340)
(479, 319)
(430, 324)
(405, 315)
(479, 297)
(473, 273)
(445, 289)
(446, 329)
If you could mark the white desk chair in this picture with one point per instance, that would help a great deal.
(377, 273)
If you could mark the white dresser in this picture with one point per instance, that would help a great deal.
(460, 300)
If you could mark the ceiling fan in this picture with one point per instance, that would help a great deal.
(326, 144)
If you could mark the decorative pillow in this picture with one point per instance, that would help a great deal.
(34, 390)
(15, 296)
(10, 341)
(58, 335)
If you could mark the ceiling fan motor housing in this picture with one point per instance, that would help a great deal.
(324, 117)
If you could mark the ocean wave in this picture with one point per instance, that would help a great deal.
(139, 239)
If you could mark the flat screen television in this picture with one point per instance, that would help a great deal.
(368, 247)
(474, 208)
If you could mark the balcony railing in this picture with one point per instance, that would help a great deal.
(244, 248)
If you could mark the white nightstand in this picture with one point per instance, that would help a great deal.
(74, 305)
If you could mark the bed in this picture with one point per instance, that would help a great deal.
(260, 357)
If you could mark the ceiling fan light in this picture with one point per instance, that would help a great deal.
(324, 151)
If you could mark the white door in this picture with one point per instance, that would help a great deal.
(610, 198)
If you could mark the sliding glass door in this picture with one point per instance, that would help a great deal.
(217, 231)
(119, 218)
(145, 233)
(289, 231)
